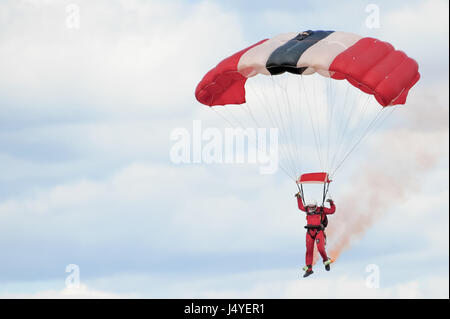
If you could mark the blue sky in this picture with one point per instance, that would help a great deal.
(85, 121)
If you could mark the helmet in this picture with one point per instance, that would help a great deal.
(312, 205)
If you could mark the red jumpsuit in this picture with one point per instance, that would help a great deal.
(315, 234)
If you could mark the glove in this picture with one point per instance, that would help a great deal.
(329, 200)
(297, 195)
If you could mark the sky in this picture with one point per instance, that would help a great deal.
(90, 93)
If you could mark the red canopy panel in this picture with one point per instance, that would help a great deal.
(314, 178)
(224, 84)
(375, 67)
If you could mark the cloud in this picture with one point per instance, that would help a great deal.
(273, 283)
(124, 60)
(412, 19)
(82, 292)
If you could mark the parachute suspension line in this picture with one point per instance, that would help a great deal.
(331, 103)
(359, 140)
(300, 126)
(377, 120)
(339, 128)
(287, 173)
(293, 131)
(323, 196)
(228, 115)
(311, 121)
(337, 134)
(258, 146)
(248, 109)
(293, 147)
(362, 115)
(361, 119)
(236, 119)
(273, 122)
(317, 112)
(297, 139)
(328, 116)
(302, 89)
(279, 120)
(283, 128)
(302, 194)
(333, 125)
(325, 192)
(346, 121)
(286, 112)
(263, 102)
(239, 124)
(223, 117)
(346, 125)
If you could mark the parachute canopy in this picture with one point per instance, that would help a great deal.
(320, 121)
(371, 65)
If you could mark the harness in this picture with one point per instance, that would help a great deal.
(318, 228)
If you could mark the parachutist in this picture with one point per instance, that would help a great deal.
(371, 68)
(317, 221)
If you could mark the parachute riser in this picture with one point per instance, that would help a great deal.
(300, 189)
(326, 186)
(325, 192)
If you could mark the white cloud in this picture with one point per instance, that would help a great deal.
(275, 283)
(82, 292)
(126, 59)
(424, 20)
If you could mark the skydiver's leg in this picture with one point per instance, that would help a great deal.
(320, 241)
(309, 249)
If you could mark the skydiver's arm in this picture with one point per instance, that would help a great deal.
(300, 203)
(330, 210)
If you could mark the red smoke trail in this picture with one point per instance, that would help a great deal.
(398, 161)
